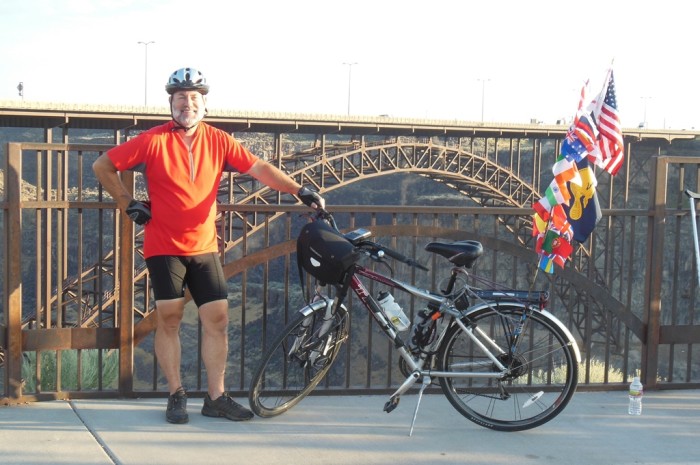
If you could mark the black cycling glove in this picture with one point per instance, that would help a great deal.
(139, 212)
(311, 198)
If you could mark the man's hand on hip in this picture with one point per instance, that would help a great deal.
(139, 212)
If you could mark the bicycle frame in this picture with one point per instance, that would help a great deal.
(446, 307)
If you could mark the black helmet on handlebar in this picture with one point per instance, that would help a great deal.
(324, 253)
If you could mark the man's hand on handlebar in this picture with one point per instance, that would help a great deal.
(311, 198)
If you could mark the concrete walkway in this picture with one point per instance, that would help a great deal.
(594, 429)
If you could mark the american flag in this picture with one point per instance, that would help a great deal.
(610, 140)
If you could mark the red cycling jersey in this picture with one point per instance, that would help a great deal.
(182, 184)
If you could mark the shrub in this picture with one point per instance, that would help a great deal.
(596, 375)
(87, 360)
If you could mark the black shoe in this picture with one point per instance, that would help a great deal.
(177, 407)
(226, 407)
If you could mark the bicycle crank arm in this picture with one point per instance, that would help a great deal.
(405, 386)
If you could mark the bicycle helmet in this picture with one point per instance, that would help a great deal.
(187, 79)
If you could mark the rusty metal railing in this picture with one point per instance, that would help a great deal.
(75, 312)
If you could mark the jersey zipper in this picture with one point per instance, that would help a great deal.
(192, 169)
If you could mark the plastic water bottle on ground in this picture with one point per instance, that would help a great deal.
(636, 393)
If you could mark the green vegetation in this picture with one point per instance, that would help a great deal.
(598, 374)
(80, 370)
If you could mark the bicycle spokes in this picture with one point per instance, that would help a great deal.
(539, 370)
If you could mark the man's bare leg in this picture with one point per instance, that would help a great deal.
(214, 318)
(167, 340)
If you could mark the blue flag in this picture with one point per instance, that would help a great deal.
(583, 212)
(573, 149)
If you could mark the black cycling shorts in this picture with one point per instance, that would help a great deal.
(203, 275)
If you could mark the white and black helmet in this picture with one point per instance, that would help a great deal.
(187, 79)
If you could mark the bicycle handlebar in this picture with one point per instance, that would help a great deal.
(322, 214)
(402, 258)
(374, 248)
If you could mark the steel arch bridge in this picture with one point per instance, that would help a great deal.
(481, 179)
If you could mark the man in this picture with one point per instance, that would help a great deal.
(182, 162)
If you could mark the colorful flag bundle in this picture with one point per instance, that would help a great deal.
(569, 209)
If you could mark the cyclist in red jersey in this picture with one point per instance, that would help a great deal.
(182, 162)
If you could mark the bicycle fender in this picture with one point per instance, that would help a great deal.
(549, 315)
(319, 304)
(314, 307)
(566, 331)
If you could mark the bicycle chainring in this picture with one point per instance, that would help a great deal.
(403, 367)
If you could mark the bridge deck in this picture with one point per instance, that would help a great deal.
(594, 428)
(52, 115)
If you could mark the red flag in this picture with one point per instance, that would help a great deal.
(555, 247)
(559, 221)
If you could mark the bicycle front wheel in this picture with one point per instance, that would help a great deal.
(542, 368)
(297, 361)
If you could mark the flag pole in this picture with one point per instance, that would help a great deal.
(601, 96)
(534, 278)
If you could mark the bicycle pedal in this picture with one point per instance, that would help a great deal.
(391, 404)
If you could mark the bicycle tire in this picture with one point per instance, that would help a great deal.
(542, 380)
(293, 365)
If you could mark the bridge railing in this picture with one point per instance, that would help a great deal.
(65, 253)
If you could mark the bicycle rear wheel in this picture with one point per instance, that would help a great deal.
(297, 361)
(543, 369)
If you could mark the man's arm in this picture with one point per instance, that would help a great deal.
(106, 173)
(277, 179)
(273, 177)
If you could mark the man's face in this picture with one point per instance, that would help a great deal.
(188, 107)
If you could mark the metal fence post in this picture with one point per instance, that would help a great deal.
(125, 255)
(652, 317)
(13, 270)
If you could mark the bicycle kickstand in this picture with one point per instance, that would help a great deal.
(425, 384)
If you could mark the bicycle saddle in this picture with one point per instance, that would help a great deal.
(460, 253)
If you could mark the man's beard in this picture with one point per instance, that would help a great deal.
(191, 119)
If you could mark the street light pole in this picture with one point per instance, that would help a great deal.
(349, 82)
(145, 72)
(483, 93)
(644, 121)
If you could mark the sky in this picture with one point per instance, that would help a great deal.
(507, 61)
